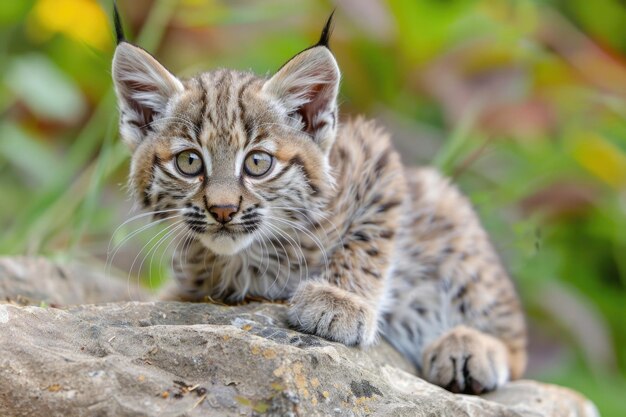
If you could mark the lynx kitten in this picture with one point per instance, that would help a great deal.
(285, 202)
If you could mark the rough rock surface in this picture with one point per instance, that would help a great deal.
(182, 359)
(33, 281)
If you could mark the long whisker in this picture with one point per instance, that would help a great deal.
(180, 229)
(315, 240)
(111, 257)
(142, 249)
(289, 269)
(185, 233)
(165, 250)
(298, 248)
(213, 268)
(179, 249)
(141, 229)
(264, 250)
(137, 217)
(154, 250)
(247, 282)
(188, 240)
(251, 251)
(269, 235)
(297, 227)
(304, 212)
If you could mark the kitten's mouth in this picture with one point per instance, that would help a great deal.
(227, 239)
(223, 239)
(231, 229)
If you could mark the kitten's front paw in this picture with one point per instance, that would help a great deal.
(332, 313)
(465, 360)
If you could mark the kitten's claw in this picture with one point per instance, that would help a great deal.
(332, 313)
(465, 360)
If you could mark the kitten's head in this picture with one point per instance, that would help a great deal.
(234, 156)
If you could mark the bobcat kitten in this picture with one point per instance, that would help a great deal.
(282, 201)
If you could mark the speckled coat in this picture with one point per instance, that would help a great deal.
(356, 243)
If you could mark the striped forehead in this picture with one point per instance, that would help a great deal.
(223, 109)
(221, 117)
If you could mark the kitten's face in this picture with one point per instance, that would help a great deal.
(236, 158)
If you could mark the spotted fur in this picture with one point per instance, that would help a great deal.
(358, 244)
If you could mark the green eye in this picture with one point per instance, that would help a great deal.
(258, 163)
(189, 163)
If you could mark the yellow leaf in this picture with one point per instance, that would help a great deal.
(81, 20)
(601, 158)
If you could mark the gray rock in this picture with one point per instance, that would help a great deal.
(183, 359)
(36, 281)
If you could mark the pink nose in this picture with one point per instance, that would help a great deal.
(223, 214)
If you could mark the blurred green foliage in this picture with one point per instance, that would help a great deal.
(521, 101)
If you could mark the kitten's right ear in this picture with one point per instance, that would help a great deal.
(143, 86)
(307, 87)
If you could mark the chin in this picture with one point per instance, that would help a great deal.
(226, 244)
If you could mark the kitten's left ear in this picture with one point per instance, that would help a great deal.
(307, 86)
(144, 88)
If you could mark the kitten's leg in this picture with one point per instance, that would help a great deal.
(485, 345)
(455, 312)
(466, 360)
(344, 302)
(326, 310)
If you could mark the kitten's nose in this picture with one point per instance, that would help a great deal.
(223, 214)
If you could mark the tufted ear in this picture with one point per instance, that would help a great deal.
(307, 87)
(143, 86)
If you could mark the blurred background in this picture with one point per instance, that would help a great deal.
(521, 101)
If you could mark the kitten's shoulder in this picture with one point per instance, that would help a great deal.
(360, 141)
(367, 169)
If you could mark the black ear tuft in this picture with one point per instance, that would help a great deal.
(119, 30)
(326, 32)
